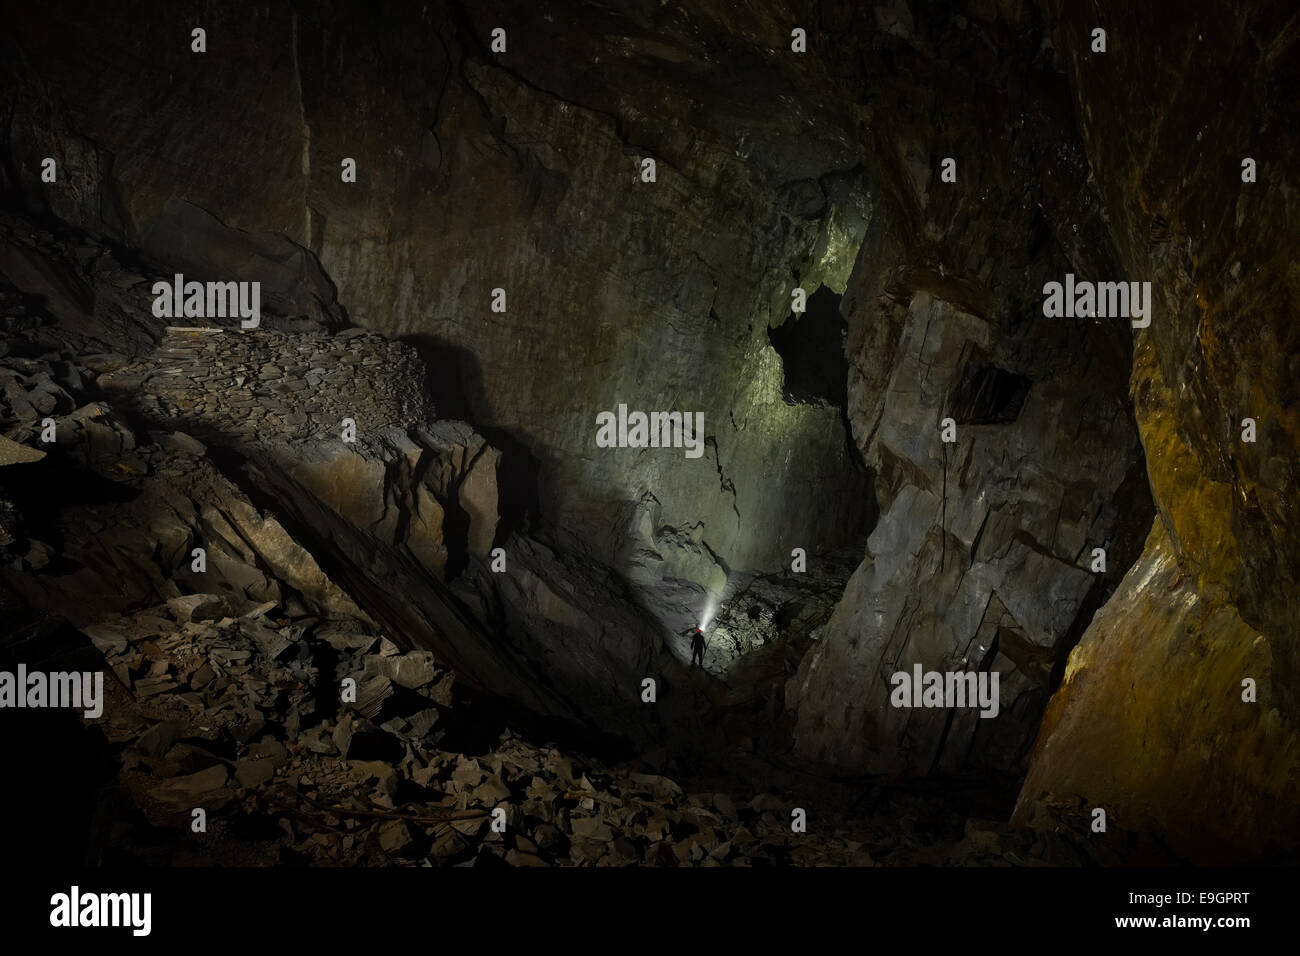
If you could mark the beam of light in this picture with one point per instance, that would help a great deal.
(710, 611)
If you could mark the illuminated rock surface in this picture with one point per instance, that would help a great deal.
(1217, 776)
(475, 428)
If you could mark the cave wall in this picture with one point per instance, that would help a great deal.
(1150, 725)
(982, 557)
(1168, 114)
(519, 171)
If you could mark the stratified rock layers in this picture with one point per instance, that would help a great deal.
(983, 556)
(522, 173)
(1151, 724)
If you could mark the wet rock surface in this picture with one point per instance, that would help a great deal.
(1158, 631)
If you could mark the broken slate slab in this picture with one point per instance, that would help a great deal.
(394, 836)
(412, 670)
(273, 643)
(252, 772)
(148, 686)
(491, 791)
(189, 790)
(591, 828)
(197, 607)
(109, 640)
(158, 739)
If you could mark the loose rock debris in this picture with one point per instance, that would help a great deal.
(238, 715)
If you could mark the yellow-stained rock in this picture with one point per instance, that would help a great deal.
(353, 486)
(16, 453)
(1149, 724)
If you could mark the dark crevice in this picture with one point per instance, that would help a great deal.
(987, 395)
(811, 347)
(815, 366)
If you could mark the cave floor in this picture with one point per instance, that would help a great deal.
(208, 711)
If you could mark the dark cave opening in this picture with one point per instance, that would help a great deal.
(811, 347)
(985, 394)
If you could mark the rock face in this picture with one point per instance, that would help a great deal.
(1174, 731)
(407, 510)
(523, 172)
(1223, 346)
(1212, 601)
(623, 210)
(217, 465)
(982, 559)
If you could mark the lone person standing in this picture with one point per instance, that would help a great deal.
(697, 647)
